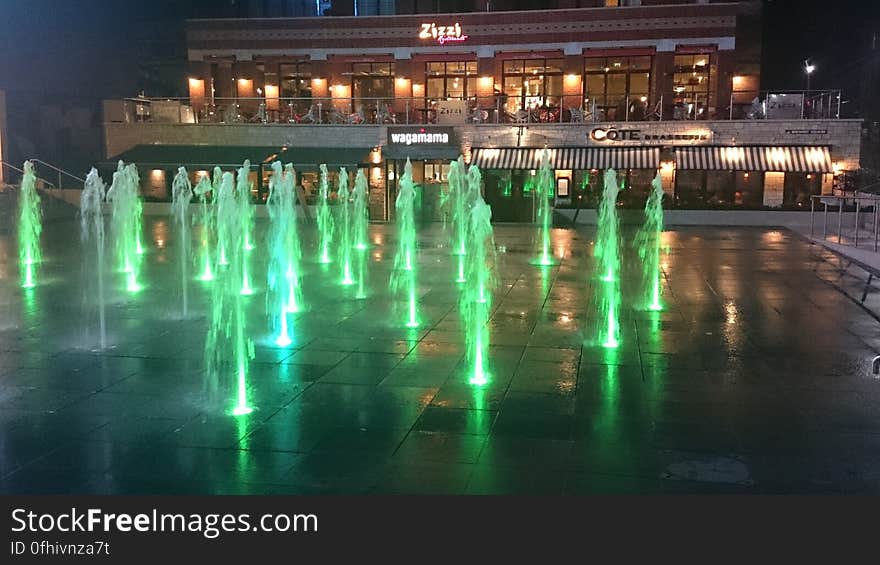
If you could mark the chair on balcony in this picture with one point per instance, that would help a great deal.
(310, 117)
(385, 115)
(577, 114)
(478, 116)
(521, 117)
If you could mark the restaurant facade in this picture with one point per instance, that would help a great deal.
(669, 87)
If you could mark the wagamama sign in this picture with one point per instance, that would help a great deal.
(420, 136)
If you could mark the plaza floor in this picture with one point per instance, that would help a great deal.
(753, 379)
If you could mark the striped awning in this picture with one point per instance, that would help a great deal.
(796, 159)
(577, 158)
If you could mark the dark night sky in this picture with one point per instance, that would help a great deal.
(833, 34)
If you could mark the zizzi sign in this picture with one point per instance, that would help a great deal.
(611, 135)
(443, 34)
(420, 136)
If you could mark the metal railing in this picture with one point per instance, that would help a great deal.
(859, 201)
(788, 105)
(494, 109)
(40, 168)
(19, 173)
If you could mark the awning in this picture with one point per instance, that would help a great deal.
(803, 159)
(577, 158)
(206, 156)
(402, 152)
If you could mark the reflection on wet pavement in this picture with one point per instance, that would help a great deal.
(753, 378)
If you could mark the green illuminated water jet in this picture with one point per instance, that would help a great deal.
(283, 296)
(607, 254)
(360, 210)
(360, 222)
(224, 204)
(294, 301)
(92, 228)
(30, 226)
(457, 199)
(245, 205)
(246, 223)
(346, 219)
(325, 218)
(227, 349)
(648, 242)
(205, 220)
(181, 196)
(403, 277)
(545, 191)
(475, 299)
(125, 221)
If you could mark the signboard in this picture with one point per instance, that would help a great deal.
(807, 131)
(442, 34)
(451, 111)
(421, 135)
(649, 133)
(784, 106)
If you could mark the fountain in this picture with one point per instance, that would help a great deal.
(245, 204)
(138, 207)
(545, 192)
(181, 196)
(325, 218)
(125, 221)
(345, 223)
(205, 219)
(30, 226)
(456, 199)
(607, 254)
(403, 277)
(360, 231)
(648, 242)
(224, 203)
(227, 344)
(92, 228)
(283, 273)
(361, 214)
(294, 251)
(475, 300)
(246, 222)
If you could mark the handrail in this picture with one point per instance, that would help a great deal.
(16, 169)
(389, 110)
(59, 171)
(840, 202)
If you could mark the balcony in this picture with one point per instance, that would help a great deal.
(788, 105)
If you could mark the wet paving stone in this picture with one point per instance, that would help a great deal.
(754, 378)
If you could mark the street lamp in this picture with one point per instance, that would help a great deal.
(808, 68)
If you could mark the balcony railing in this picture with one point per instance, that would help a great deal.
(360, 111)
(495, 109)
(787, 105)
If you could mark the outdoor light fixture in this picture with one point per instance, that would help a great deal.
(808, 68)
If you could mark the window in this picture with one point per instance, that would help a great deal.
(693, 89)
(617, 88)
(532, 84)
(295, 80)
(435, 171)
(372, 87)
(451, 80)
(798, 187)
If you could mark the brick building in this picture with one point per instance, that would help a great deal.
(640, 86)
